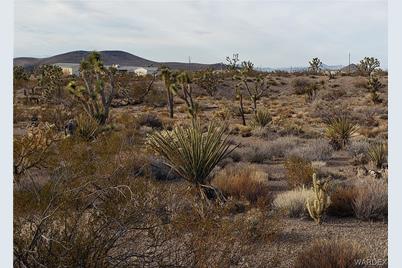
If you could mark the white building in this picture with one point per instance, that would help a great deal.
(69, 68)
(141, 71)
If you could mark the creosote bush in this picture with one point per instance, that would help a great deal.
(330, 253)
(342, 201)
(293, 203)
(243, 182)
(371, 200)
(299, 171)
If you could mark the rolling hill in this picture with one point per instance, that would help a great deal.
(109, 57)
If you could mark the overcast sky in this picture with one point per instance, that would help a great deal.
(269, 33)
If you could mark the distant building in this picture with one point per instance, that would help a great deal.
(69, 68)
(74, 69)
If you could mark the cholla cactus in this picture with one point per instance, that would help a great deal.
(317, 205)
(50, 81)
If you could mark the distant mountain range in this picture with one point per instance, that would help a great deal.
(123, 58)
(110, 57)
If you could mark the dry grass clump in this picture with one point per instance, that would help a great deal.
(330, 253)
(315, 150)
(243, 182)
(371, 200)
(342, 201)
(293, 203)
(262, 118)
(299, 171)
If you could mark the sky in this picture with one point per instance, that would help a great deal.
(269, 33)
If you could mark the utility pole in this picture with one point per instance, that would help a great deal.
(349, 63)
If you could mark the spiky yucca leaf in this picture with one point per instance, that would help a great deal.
(339, 130)
(262, 118)
(191, 152)
(378, 154)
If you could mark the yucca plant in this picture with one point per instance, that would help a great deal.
(190, 151)
(339, 130)
(262, 118)
(377, 154)
(87, 127)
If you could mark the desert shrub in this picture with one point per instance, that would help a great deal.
(330, 253)
(243, 181)
(358, 150)
(300, 85)
(57, 116)
(150, 120)
(264, 132)
(378, 154)
(156, 98)
(299, 171)
(315, 150)
(32, 150)
(334, 95)
(190, 151)
(262, 118)
(87, 127)
(293, 203)
(342, 201)
(339, 130)
(278, 148)
(371, 200)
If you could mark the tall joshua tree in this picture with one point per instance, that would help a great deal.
(232, 62)
(183, 89)
(169, 78)
(368, 65)
(255, 87)
(315, 65)
(98, 87)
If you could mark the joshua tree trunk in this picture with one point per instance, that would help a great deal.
(242, 110)
(170, 103)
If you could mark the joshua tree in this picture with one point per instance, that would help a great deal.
(98, 89)
(239, 96)
(368, 65)
(208, 81)
(255, 87)
(248, 66)
(182, 88)
(50, 81)
(315, 65)
(232, 62)
(374, 86)
(169, 78)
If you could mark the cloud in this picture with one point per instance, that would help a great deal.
(269, 33)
